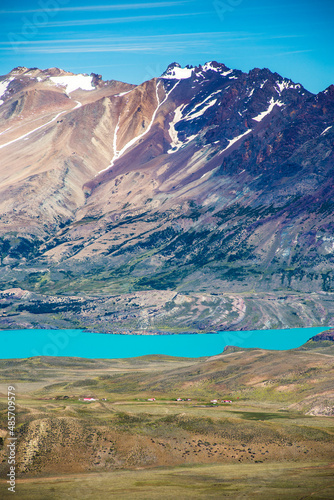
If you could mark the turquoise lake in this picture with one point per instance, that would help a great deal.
(78, 343)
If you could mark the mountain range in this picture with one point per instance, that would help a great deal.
(197, 201)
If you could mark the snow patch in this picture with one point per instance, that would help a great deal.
(3, 86)
(115, 137)
(122, 93)
(190, 138)
(192, 115)
(74, 82)
(324, 132)
(178, 73)
(209, 67)
(199, 74)
(172, 132)
(5, 130)
(116, 153)
(287, 84)
(233, 141)
(204, 100)
(32, 131)
(38, 128)
(272, 103)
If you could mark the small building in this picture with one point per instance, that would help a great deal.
(151, 399)
(89, 399)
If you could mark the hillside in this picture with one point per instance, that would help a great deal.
(197, 201)
(279, 412)
(295, 376)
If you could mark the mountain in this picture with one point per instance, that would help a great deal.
(195, 201)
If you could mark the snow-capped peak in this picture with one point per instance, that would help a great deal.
(210, 66)
(217, 67)
(286, 84)
(176, 72)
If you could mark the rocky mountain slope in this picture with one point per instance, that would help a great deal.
(205, 180)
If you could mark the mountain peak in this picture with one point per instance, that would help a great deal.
(214, 66)
(175, 71)
(18, 70)
(329, 91)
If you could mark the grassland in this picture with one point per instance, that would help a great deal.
(275, 440)
(275, 481)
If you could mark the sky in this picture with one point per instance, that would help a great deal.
(134, 41)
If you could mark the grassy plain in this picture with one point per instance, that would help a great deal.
(275, 440)
(275, 481)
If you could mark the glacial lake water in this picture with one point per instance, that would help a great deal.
(78, 343)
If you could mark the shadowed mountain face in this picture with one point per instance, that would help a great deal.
(206, 179)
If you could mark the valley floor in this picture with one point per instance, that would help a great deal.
(273, 441)
(277, 481)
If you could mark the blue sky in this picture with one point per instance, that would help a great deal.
(133, 41)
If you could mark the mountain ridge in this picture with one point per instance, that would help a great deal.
(205, 179)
